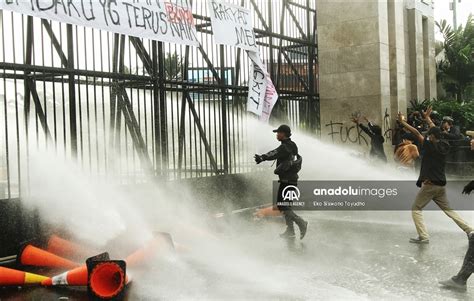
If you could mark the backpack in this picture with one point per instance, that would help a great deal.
(289, 166)
(295, 165)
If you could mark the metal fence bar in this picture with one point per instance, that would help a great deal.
(127, 107)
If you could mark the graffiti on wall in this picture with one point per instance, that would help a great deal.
(387, 126)
(351, 133)
(340, 132)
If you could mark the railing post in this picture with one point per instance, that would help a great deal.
(225, 150)
(72, 92)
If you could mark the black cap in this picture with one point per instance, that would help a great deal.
(436, 131)
(283, 129)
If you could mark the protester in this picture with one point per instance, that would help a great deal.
(406, 148)
(459, 281)
(376, 138)
(432, 179)
(450, 131)
(287, 169)
(415, 120)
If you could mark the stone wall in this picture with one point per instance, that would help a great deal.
(374, 57)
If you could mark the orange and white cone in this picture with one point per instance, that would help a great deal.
(33, 256)
(17, 278)
(66, 248)
(267, 212)
(105, 278)
(160, 244)
(108, 279)
(74, 277)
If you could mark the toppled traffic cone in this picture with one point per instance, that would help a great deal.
(104, 278)
(266, 212)
(159, 244)
(15, 277)
(66, 248)
(260, 211)
(74, 277)
(180, 248)
(33, 256)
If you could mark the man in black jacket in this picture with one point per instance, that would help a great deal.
(450, 131)
(288, 177)
(459, 281)
(432, 179)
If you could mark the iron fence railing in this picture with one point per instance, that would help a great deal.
(129, 106)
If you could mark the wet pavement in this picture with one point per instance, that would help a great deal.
(356, 256)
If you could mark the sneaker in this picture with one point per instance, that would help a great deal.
(288, 234)
(419, 240)
(303, 229)
(452, 284)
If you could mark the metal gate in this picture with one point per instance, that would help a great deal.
(131, 107)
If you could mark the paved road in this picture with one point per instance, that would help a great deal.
(356, 256)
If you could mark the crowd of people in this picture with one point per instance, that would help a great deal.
(422, 142)
(407, 148)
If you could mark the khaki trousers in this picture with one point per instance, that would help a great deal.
(436, 193)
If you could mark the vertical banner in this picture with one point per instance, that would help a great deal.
(257, 89)
(262, 98)
(232, 25)
(171, 21)
(271, 97)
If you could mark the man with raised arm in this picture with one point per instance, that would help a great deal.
(432, 179)
(376, 138)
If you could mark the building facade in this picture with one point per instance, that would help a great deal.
(374, 57)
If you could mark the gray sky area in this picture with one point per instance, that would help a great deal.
(442, 11)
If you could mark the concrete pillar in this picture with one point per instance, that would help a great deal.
(420, 53)
(416, 54)
(354, 65)
(398, 93)
(374, 57)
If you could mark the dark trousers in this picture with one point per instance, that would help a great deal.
(468, 265)
(291, 217)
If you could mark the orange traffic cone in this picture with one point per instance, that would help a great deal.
(180, 248)
(15, 277)
(105, 278)
(74, 277)
(267, 211)
(31, 255)
(66, 248)
(162, 242)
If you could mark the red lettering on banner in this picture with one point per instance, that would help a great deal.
(178, 14)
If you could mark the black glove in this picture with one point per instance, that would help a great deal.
(258, 159)
(468, 188)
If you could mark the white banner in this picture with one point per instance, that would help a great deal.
(171, 21)
(257, 88)
(271, 97)
(262, 92)
(232, 25)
